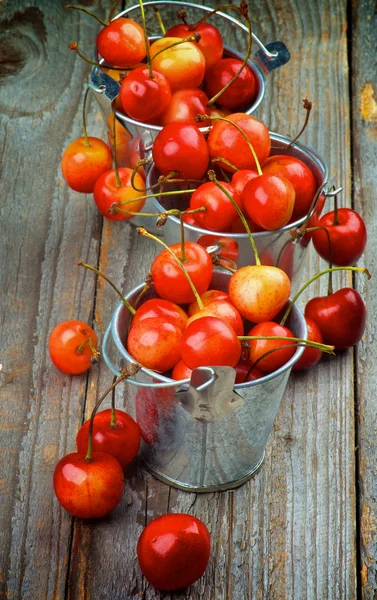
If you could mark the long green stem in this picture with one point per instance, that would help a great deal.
(145, 233)
(118, 182)
(225, 162)
(112, 9)
(308, 107)
(330, 289)
(86, 143)
(191, 38)
(75, 47)
(113, 422)
(147, 50)
(98, 272)
(359, 269)
(260, 358)
(214, 11)
(336, 214)
(87, 12)
(173, 212)
(159, 20)
(116, 205)
(212, 176)
(310, 343)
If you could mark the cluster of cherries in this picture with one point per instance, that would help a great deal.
(179, 322)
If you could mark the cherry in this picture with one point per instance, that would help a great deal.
(222, 309)
(183, 65)
(220, 213)
(190, 220)
(159, 308)
(181, 371)
(240, 93)
(228, 246)
(73, 347)
(145, 98)
(259, 347)
(243, 372)
(239, 227)
(210, 43)
(88, 490)
(241, 178)
(210, 341)
(122, 43)
(269, 201)
(348, 236)
(206, 298)
(181, 147)
(155, 343)
(184, 106)
(300, 176)
(121, 440)
(310, 356)
(173, 551)
(110, 190)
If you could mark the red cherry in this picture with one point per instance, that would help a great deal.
(348, 237)
(340, 317)
(155, 344)
(181, 147)
(144, 98)
(181, 371)
(240, 93)
(241, 178)
(227, 142)
(228, 246)
(190, 220)
(242, 369)
(157, 307)
(169, 280)
(82, 165)
(277, 359)
(122, 441)
(210, 43)
(220, 213)
(69, 348)
(222, 309)
(183, 65)
(122, 43)
(239, 227)
(209, 341)
(184, 106)
(106, 192)
(88, 490)
(310, 356)
(269, 201)
(299, 175)
(206, 298)
(173, 551)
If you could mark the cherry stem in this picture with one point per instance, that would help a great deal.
(145, 233)
(309, 213)
(212, 176)
(116, 205)
(140, 163)
(175, 212)
(88, 12)
(86, 143)
(216, 260)
(190, 38)
(159, 19)
(147, 50)
(118, 182)
(333, 269)
(225, 162)
(215, 118)
(260, 358)
(113, 422)
(112, 9)
(219, 258)
(310, 343)
(336, 214)
(320, 228)
(124, 300)
(308, 107)
(183, 257)
(181, 14)
(75, 47)
(95, 354)
(214, 11)
(128, 371)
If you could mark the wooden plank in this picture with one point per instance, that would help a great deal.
(291, 531)
(47, 229)
(364, 123)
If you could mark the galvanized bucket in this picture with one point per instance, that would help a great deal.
(207, 434)
(141, 136)
(274, 247)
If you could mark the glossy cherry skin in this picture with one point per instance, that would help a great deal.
(181, 371)
(208, 297)
(277, 359)
(239, 227)
(157, 307)
(184, 106)
(241, 178)
(106, 193)
(224, 310)
(341, 317)
(310, 356)
(190, 220)
(242, 369)
(144, 98)
(82, 165)
(122, 442)
(220, 213)
(300, 176)
(268, 200)
(209, 341)
(240, 93)
(227, 142)
(173, 551)
(210, 43)
(88, 490)
(181, 147)
(228, 246)
(63, 343)
(183, 65)
(348, 239)
(122, 43)
(169, 281)
(155, 344)
(259, 292)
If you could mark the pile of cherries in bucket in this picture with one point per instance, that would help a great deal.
(187, 324)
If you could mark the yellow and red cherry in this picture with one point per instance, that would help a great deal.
(159, 308)
(210, 43)
(258, 348)
(240, 93)
(243, 374)
(73, 347)
(220, 214)
(181, 371)
(184, 106)
(107, 192)
(206, 298)
(183, 65)
(121, 439)
(224, 310)
(311, 356)
(210, 341)
(145, 98)
(84, 161)
(122, 43)
(155, 344)
(348, 237)
(268, 200)
(181, 147)
(259, 292)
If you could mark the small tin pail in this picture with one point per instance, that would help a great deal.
(207, 434)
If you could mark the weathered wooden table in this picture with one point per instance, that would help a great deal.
(305, 526)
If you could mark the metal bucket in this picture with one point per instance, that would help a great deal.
(207, 434)
(274, 247)
(142, 135)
